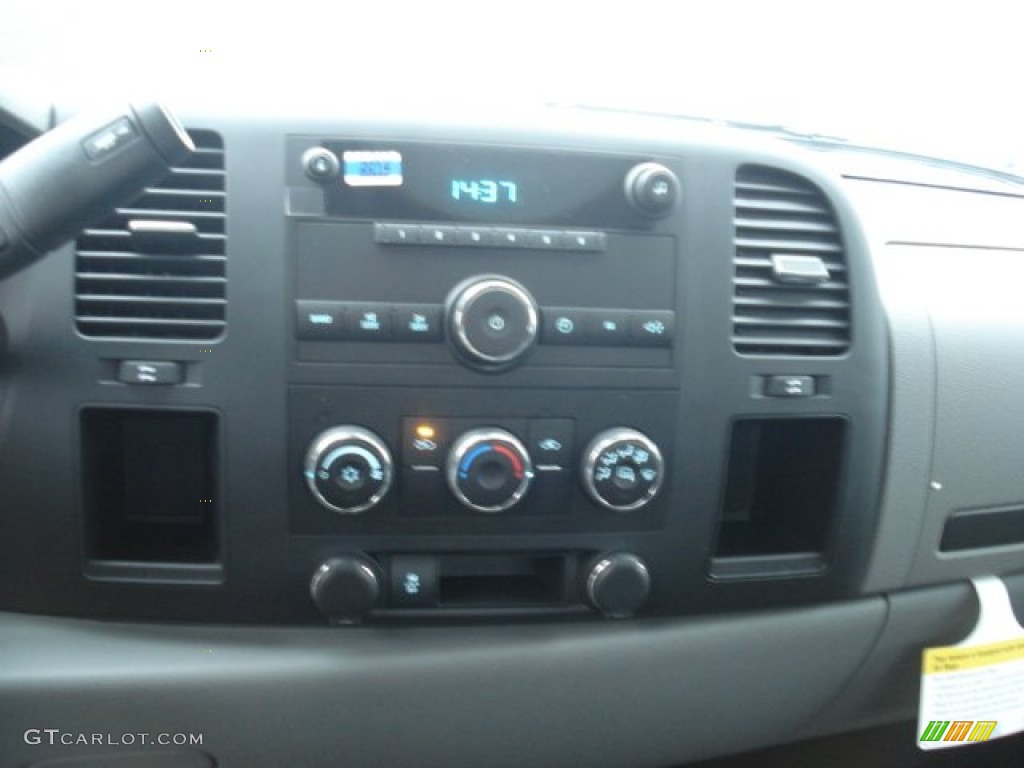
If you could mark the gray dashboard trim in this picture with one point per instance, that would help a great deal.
(462, 696)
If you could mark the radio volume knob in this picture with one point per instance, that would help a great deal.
(652, 189)
(492, 322)
(489, 470)
(622, 469)
(348, 469)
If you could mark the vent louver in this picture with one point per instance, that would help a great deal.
(779, 218)
(156, 268)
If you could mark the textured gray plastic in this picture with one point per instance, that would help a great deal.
(978, 317)
(629, 694)
(886, 688)
(949, 265)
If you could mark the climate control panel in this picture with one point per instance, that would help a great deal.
(487, 469)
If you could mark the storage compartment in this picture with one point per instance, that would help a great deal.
(502, 581)
(150, 485)
(780, 497)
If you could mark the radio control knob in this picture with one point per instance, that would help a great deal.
(618, 584)
(622, 469)
(489, 470)
(348, 469)
(321, 164)
(492, 322)
(652, 189)
(346, 588)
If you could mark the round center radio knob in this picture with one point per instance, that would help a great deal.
(492, 322)
(622, 469)
(348, 469)
(489, 470)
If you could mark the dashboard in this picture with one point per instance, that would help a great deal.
(567, 429)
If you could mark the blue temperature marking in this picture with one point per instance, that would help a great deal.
(469, 458)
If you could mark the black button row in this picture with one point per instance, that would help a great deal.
(489, 237)
(363, 321)
(386, 321)
(608, 327)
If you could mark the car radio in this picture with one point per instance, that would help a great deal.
(437, 288)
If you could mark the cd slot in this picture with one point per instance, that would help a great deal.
(502, 581)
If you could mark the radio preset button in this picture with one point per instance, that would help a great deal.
(583, 241)
(438, 235)
(475, 237)
(396, 234)
(542, 239)
(505, 237)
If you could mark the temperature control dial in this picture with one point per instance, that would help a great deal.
(622, 469)
(348, 469)
(489, 470)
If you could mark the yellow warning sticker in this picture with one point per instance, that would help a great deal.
(954, 658)
(974, 691)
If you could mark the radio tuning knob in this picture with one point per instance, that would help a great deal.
(617, 584)
(348, 469)
(489, 470)
(346, 588)
(652, 189)
(492, 322)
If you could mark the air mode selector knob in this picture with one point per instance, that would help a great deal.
(346, 588)
(348, 469)
(622, 469)
(492, 322)
(618, 584)
(489, 470)
(652, 189)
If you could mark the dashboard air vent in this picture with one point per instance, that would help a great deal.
(790, 286)
(156, 268)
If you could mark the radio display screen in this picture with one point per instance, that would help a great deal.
(478, 184)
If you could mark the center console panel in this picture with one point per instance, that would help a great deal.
(478, 376)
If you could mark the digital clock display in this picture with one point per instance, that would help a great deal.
(447, 182)
(486, 191)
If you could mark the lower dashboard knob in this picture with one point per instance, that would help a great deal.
(346, 588)
(492, 322)
(622, 469)
(489, 470)
(348, 469)
(618, 584)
